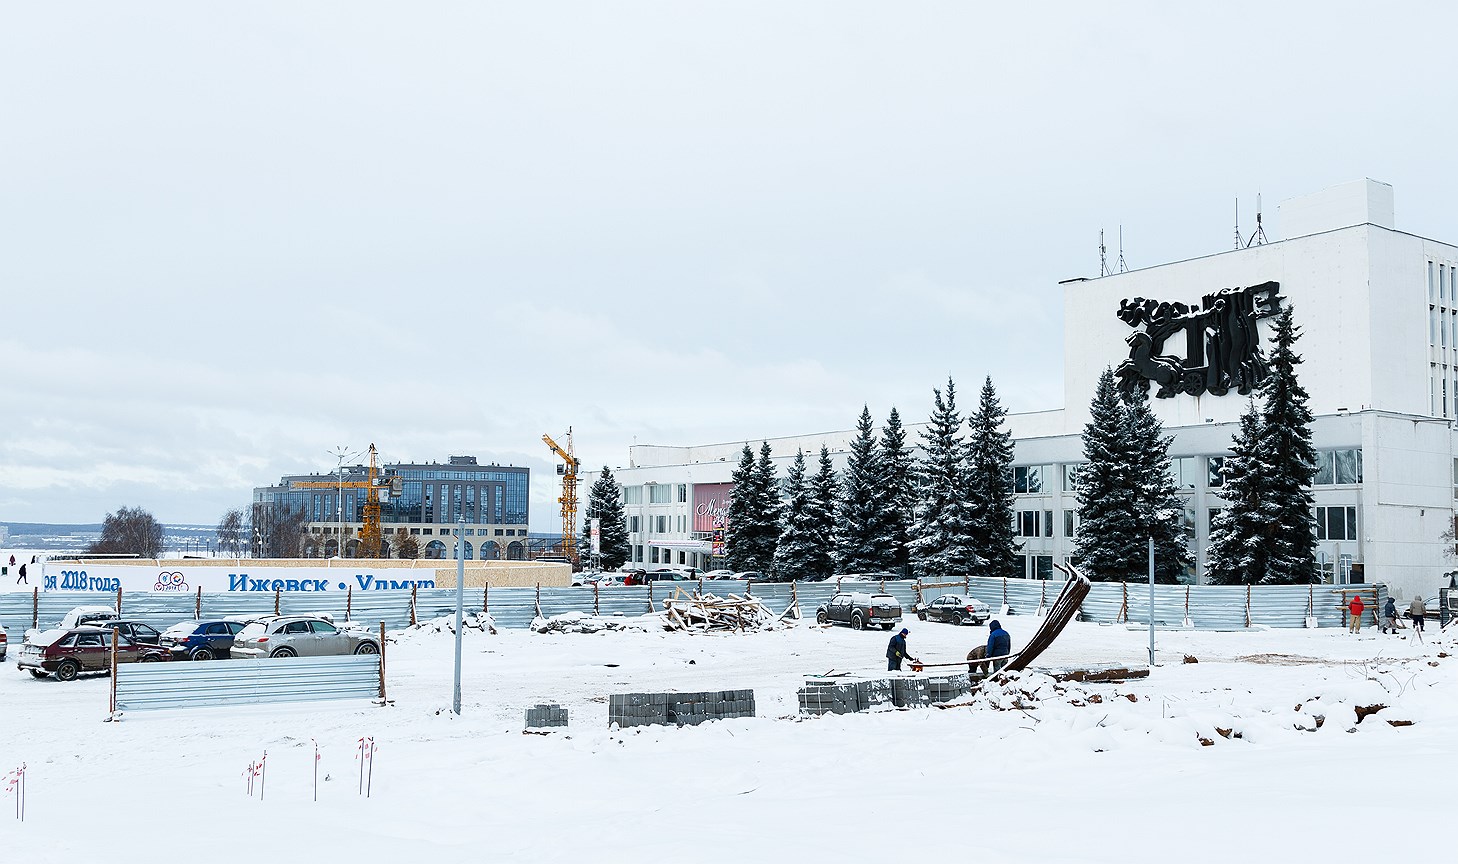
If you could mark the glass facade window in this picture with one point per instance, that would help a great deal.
(1338, 467)
(1035, 523)
(1030, 478)
(1215, 473)
(632, 494)
(1336, 523)
(660, 494)
(683, 493)
(1039, 567)
(1070, 477)
(1185, 470)
(1214, 518)
(1070, 523)
(634, 524)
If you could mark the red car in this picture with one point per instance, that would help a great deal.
(68, 653)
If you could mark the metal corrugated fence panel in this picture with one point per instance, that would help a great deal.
(1210, 606)
(141, 686)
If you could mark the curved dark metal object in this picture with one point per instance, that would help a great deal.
(1063, 610)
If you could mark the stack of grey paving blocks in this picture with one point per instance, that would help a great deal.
(678, 709)
(840, 696)
(544, 716)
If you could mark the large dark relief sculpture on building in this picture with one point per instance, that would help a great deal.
(1222, 348)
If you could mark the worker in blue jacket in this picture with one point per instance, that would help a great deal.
(999, 644)
(896, 650)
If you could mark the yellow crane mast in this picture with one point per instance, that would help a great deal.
(568, 470)
(370, 536)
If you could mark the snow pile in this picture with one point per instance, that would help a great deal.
(581, 622)
(478, 621)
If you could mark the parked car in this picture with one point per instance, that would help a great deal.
(719, 574)
(87, 615)
(750, 576)
(585, 578)
(667, 575)
(860, 610)
(68, 653)
(137, 631)
(201, 640)
(4, 641)
(301, 636)
(957, 609)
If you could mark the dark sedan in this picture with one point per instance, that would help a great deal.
(957, 609)
(201, 640)
(68, 653)
(137, 631)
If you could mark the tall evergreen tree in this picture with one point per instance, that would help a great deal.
(990, 488)
(941, 547)
(739, 541)
(1158, 507)
(799, 536)
(1235, 554)
(825, 489)
(864, 544)
(605, 503)
(1289, 463)
(898, 488)
(764, 525)
(1109, 537)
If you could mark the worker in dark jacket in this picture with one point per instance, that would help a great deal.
(896, 651)
(999, 644)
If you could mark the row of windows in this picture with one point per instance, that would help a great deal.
(474, 476)
(658, 524)
(658, 493)
(659, 556)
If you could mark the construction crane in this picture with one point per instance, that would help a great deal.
(571, 465)
(370, 535)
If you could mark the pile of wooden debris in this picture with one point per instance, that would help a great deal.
(710, 613)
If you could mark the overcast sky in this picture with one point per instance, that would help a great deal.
(234, 236)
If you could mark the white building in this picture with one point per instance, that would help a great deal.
(1378, 309)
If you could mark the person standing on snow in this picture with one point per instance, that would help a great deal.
(1417, 611)
(1389, 615)
(999, 644)
(896, 651)
(1355, 608)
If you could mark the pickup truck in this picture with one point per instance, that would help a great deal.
(860, 610)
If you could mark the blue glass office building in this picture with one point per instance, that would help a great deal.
(492, 499)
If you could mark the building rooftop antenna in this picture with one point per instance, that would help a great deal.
(1103, 256)
(1239, 243)
(1259, 237)
(1123, 268)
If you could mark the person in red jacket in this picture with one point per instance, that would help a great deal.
(1355, 608)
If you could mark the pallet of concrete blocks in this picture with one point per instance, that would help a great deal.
(911, 692)
(945, 688)
(820, 696)
(546, 716)
(678, 709)
(874, 693)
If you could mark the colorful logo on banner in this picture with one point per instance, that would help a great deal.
(173, 581)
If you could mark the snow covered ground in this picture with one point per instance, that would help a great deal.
(1111, 772)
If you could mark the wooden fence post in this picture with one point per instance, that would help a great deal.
(197, 607)
(275, 600)
(118, 600)
(349, 603)
(485, 598)
(1247, 605)
(1123, 606)
(382, 663)
(595, 609)
(114, 640)
(413, 589)
(966, 583)
(539, 600)
(650, 598)
(35, 609)
(795, 599)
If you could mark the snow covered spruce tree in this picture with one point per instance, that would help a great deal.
(739, 541)
(1286, 450)
(990, 488)
(1235, 554)
(898, 471)
(1158, 507)
(941, 546)
(799, 534)
(1109, 539)
(766, 514)
(864, 544)
(825, 493)
(605, 503)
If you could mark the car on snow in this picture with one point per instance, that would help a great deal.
(719, 574)
(956, 609)
(301, 636)
(749, 576)
(87, 615)
(68, 653)
(4, 641)
(201, 640)
(138, 631)
(860, 610)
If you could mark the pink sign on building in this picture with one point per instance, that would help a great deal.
(711, 505)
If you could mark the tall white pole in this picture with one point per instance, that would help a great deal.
(460, 601)
(1151, 603)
